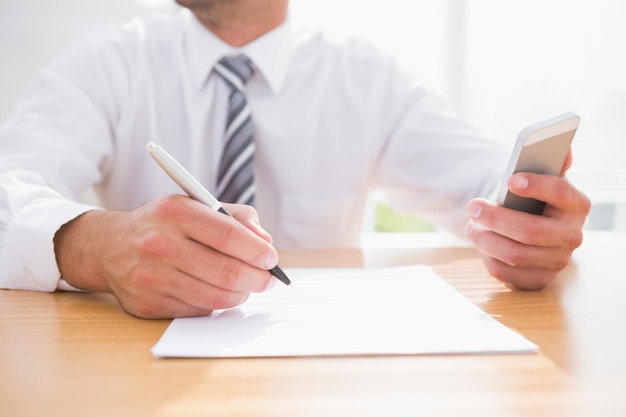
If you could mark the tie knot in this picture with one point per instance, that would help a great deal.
(235, 70)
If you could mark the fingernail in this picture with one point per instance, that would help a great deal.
(474, 210)
(271, 261)
(519, 182)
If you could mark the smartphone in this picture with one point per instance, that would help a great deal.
(540, 148)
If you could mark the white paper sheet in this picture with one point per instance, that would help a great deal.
(389, 311)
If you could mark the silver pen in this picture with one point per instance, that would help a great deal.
(195, 190)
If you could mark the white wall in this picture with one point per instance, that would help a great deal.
(33, 32)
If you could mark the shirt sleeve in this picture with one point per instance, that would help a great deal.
(53, 147)
(30, 217)
(434, 161)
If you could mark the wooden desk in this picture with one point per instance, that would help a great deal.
(67, 354)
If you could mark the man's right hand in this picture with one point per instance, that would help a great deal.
(173, 257)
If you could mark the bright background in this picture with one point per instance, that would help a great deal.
(502, 64)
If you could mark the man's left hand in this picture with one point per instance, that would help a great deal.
(525, 250)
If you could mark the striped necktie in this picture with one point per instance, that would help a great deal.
(235, 178)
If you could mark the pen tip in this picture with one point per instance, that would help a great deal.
(278, 273)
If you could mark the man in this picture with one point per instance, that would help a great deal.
(332, 121)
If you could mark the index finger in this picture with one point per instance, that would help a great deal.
(223, 233)
(555, 191)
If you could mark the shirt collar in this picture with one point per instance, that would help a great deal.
(270, 53)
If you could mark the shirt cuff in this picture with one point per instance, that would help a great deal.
(27, 249)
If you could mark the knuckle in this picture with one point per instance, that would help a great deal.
(475, 233)
(173, 208)
(221, 299)
(218, 299)
(226, 232)
(538, 282)
(510, 254)
(153, 243)
(513, 258)
(168, 206)
(521, 279)
(561, 189)
(242, 211)
(494, 267)
(561, 262)
(234, 275)
(143, 309)
(230, 272)
(535, 284)
(141, 279)
(585, 204)
(530, 231)
(575, 239)
(141, 283)
(249, 211)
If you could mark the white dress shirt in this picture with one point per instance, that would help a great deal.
(334, 120)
